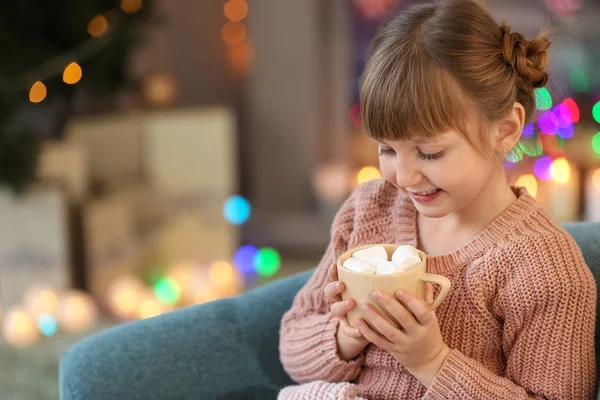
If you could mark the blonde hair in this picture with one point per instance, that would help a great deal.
(437, 67)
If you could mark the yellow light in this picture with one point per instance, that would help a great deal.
(76, 311)
(19, 328)
(150, 308)
(596, 179)
(367, 174)
(38, 92)
(40, 300)
(124, 296)
(529, 182)
(560, 170)
(98, 26)
(221, 273)
(233, 32)
(205, 294)
(131, 6)
(235, 10)
(72, 73)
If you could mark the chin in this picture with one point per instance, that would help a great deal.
(431, 211)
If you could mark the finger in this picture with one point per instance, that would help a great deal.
(333, 275)
(391, 332)
(418, 308)
(333, 289)
(428, 293)
(341, 308)
(373, 336)
(350, 331)
(403, 316)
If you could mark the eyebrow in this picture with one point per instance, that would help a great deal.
(423, 140)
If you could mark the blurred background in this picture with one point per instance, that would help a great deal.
(156, 154)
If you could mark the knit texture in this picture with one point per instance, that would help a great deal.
(519, 317)
(320, 390)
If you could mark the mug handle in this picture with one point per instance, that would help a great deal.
(444, 284)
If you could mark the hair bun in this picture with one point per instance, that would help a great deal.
(526, 57)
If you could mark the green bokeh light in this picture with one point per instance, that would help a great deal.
(515, 155)
(577, 80)
(531, 147)
(596, 142)
(267, 261)
(543, 99)
(167, 291)
(596, 112)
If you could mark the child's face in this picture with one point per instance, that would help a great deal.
(442, 174)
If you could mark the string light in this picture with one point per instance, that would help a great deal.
(237, 210)
(131, 6)
(267, 261)
(72, 73)
(235, 10)
(541, 168)
(98, 26)
(560, 170)
(221, 273)
(38, 92)
(573, 109)
(233, 32)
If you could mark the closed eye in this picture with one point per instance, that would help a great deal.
(386, 151)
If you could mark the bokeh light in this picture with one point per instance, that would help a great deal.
(541, 168)
(543, 99)
(573, 109)
(233, 32)
(19, 328)
(548, 123)
(222, 273)
(354, 115)
(167, 291)
(47, 324)
(40, 299)
(530, 147)
(98, 26)
(367, 174)
(596, 143)
(515, 155)
(566, 132)
(596, 112)
(529, 182)
(38, 92)
(528, 130)
(577, 80)
(72, 73)
(243, 259)
(560, 170)
(131, 6)
(235, 10)
(267, 261)
(237, 210)
(596, 179)
(76, 311)
(124, 295)
(563, 116)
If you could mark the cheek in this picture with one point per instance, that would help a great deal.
(388, 172)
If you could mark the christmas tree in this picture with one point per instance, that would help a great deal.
(53, 50)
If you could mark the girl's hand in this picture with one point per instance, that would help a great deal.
(350, 341)
(418, 344)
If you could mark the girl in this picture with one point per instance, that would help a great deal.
(445, 93)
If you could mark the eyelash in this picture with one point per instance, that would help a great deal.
(422, 156)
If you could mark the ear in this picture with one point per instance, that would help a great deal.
(509, 128)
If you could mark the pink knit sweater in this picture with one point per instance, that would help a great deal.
(519, 317)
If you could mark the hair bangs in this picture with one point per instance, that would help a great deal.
(406, 95)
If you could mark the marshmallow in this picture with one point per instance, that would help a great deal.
(356, 265)
(406, 256)
(375, 261)
(387, 268)
(370, 252)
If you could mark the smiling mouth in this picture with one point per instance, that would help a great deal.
(427, 193)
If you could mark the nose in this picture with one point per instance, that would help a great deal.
(407, 174)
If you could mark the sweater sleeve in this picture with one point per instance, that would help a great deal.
(308, 345)
(549, 309)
